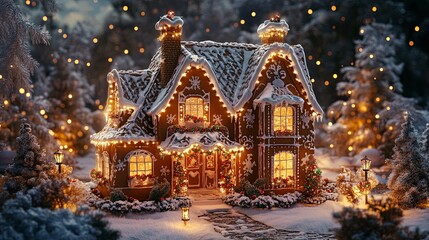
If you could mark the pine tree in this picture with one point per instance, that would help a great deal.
(372, 88)
(70, 95)
(30, 166)
(409, 180)
(313, 175)
(16, 33)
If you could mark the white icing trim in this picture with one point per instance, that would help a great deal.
(268, 25)
(162, 100)
(288, 50)
(165, 20)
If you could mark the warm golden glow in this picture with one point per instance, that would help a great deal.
(185, 214)
(140, 164)
(283, 164)
(283, 119)
(194, 106)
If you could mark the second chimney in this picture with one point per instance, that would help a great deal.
(273, 30)
(170, 28)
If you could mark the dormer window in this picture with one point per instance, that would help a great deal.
(283, 119)
(194, 108)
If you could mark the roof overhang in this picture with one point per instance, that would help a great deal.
(207, 141)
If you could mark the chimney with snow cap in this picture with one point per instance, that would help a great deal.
(170, 28)
(273, 30)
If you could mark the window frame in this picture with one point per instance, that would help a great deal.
(284, 120)
(286, 159)
(135, 154)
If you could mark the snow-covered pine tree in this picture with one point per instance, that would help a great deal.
(30, 166)
(16, 66)
(70, 94)
(16, 33)
(409, 180)
(371, 86)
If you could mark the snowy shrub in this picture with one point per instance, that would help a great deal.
(287, 200)
(381, 220)
(20, 220)
(264, 202)
(159, 190)
(283, 201)
(124, 207)
(117, 195)
(251, 190)
(327, 192)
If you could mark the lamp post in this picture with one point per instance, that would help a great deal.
(185, 214)
(366, 165)
(59, 156)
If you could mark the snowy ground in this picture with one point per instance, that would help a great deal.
(301, 217)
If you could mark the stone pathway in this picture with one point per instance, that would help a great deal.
(235, 225)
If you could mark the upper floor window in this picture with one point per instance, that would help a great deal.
(283, 119)
(140, 163)
(194, 106)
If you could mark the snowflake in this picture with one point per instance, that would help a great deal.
(306, 119)
(249, 117)
(164, 171)
(195, 83)
(171, 118)
(248, 165)
(120, 166)
(217, 119)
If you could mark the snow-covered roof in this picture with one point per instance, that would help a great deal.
(277, 95)
(268, 25)
(180, 142)
(167, 20)
(233, 69)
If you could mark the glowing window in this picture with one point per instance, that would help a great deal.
(194, 106)
(140, 163)
(105, 165)
(98, 162)
(283, 165)
(283, 119)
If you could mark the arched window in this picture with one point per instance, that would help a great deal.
(283, 119)
(194, 106)
(105, 163)
(283, 165)
(140, 162)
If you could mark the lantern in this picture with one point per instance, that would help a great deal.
(366, 163)
(185, 214)
(59, 156)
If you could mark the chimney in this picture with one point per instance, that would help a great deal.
(170, 28)
(273, 30)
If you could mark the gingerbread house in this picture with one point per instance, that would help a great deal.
(208, 114)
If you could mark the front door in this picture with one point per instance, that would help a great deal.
(201, 171)
(210, 171)
(194, 167)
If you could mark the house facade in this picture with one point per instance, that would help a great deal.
(208, 114)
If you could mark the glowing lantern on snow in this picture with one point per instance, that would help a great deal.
(185, 214)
